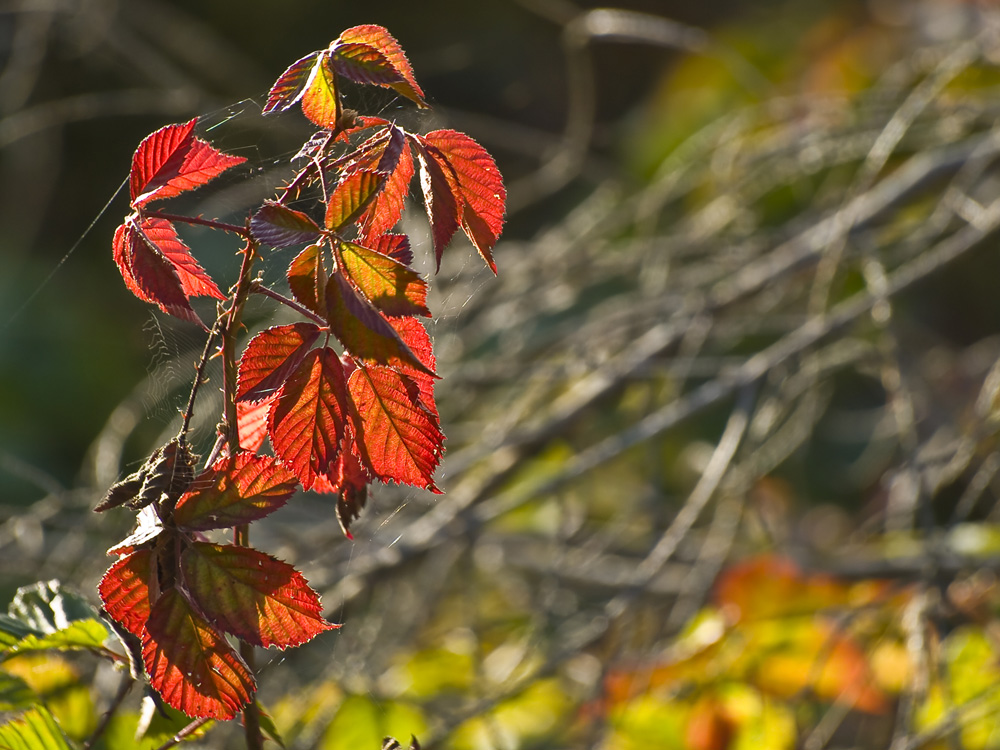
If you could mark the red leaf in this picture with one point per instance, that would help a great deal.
(124, 590)
(352, 487)
(481, 193)
(307, 421)
(278, 226)
(396, 246)
(363, 63)
(307, 279)
(171, 161)
(158, 267)
(190, 664)
(383, 41)
(415, 336)
(238, 489)
(387, 208)
(255, 597)
(363, 331)
(402, 439)
(353, 194)
(251, 423)
(320, 100)
(392, 287)
(270, 358)
(437, 183)
(290, 85)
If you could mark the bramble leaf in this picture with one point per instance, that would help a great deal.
(480, 191)
(278, 226)
(403, 441)
(320, 100)
(392, 287)
(36, 729)
(384, 42)
(387, 208)
(124, 589)
(255, 597)
(148, 274)
(307, 279)
(307, 420)
(171, 161)
(270, 357)
(237, 489)
(416, 338)
(396, 246)
(363, 63)
(353, 194)
(190, 664)
(437, 185)
(291, 84)
(363, 331)
(251, 423)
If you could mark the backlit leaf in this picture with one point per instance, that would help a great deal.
(124, 590)
(255, 597)
(80, 634)
(384, 42)
(363, 63)
(481, 192)
(363, 330)
(278, 226)
(251, 420)
(320, 100)
(47, 607)
(416, 338)
(238, 489)
(437, 183)
(307, 420)
(291, 84)
(190, 664)
(403, 441)
(353, 194)
(148, 274)
(307, 279)
(270, 357)
(392, 287)
(171, 161)
(387, 208)
(36, 729)
(396, 246)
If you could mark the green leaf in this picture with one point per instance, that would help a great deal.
(83, 634)
(15, 693)
(35, 730)
(46, 607)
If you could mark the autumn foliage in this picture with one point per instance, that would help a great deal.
(331, 403)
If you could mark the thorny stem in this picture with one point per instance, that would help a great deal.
(258, 288)
(178, 738)
(212, 223)
(241, 534)
(199, 378)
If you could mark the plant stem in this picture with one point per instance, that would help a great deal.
(198, 379)
(212, 223)
(261, 289)
(178, 738)
(241, 534)
(123, 688)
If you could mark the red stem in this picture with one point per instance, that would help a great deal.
(212, 223)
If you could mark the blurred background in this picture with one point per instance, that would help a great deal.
(722, 435)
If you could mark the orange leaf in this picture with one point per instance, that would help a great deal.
(385, 43)
(190, 664)
(255, 597)
(307, 421)
(403, 441)
(237, 489)
(124, 590)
